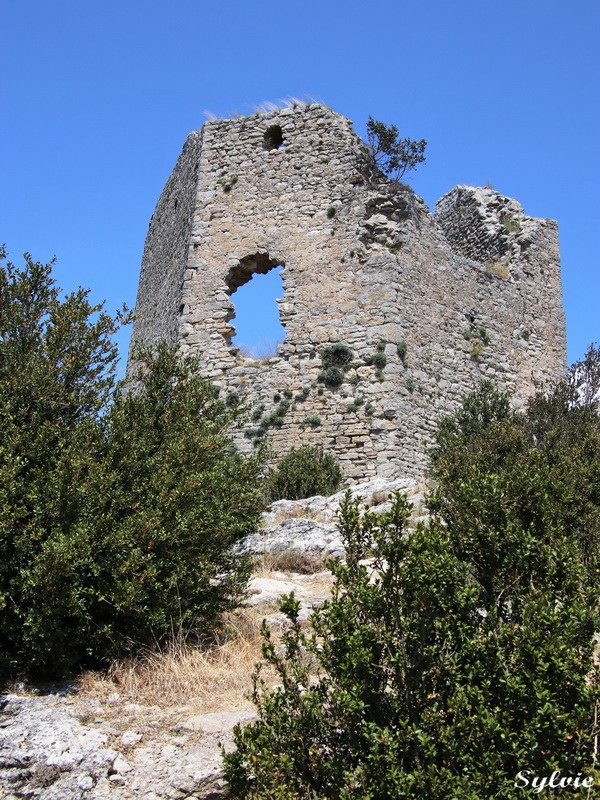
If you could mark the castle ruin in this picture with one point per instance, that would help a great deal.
(390, 314)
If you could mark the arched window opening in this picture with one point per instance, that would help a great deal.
(273, 138)
(257, 285)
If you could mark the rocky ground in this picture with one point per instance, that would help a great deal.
(61, 743)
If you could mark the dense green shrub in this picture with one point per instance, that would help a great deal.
(462, 653)
(304, 472)
(116, 515)
(331, 376)
(336, 355)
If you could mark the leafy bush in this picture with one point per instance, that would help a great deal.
(117, 510)
(378, 359)
(332, 376)
(451, 658)
(336, 355)
(402, 349)
(304, 472)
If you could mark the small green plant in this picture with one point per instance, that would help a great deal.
(402, 349)
(320, 391)
(228, 183)
(311, 421)
(525, 334)
(330, 212)
(477, 348)
(336, 355)
(483, 334)
(302, 395)
(257, 413)
(324, 160)
(232, 399)
(378, 360)
(410, 384)
(356, 404)
(304, 472)
(394, 250)
(331, 376)
(354, 380)
(276, 397)
(511, 225)
(379, 375)
(369, 409)
(336, 360)
(288, 394)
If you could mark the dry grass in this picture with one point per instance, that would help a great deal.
(202, 680)
(288, 561)
(296, 513)
(261, 353)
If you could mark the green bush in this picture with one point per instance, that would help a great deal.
(336, 355)
(331, 376)
(304, 472)
(117, 509)
(451, 658)
(378, 359)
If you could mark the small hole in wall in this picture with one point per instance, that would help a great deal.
(273, 138)
(254, 286)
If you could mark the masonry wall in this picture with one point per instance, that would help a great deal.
(474, 293)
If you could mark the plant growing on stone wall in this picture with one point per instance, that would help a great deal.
(336, 355)
(303, 394)
(336, 360)
(369, 409)
(402, 349)
(312, 421)
(331, 376)
(410, 384)
(228, 183)
(378, 359)
(511, 225)
(356, 404)
(392, 155)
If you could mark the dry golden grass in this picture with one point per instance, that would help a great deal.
(296, 512)
(288, 561)
(218, 678)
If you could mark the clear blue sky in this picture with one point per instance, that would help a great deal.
(98, 97)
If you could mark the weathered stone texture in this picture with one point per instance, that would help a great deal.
(474, 293)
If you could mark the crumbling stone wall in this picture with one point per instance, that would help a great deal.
(425, 307)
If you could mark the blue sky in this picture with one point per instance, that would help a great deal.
(98, 98)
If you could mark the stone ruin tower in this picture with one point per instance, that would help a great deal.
(390, 314)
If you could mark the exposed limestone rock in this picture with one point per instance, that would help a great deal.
(54, 747)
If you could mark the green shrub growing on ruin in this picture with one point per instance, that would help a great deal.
(392, 155)
(451, 658)
(336, 355)
(331, 376)
(117, 510)
(402, 349)
(304, 472)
